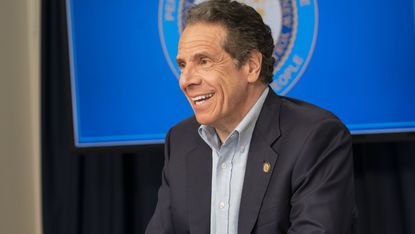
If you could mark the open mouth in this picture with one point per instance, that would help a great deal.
(202, 98)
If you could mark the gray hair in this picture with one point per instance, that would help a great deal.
(246, 31)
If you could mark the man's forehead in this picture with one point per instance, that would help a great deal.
(196, 53)
(202, 33)
(201, 38)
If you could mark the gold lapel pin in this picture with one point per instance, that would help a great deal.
(266, 167)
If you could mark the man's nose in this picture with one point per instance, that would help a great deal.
(189, 76)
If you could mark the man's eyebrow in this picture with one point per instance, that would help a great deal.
(195, 57)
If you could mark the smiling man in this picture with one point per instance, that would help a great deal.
(249, 161)
(220, 89)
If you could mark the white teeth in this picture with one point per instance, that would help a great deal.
(202, 97)
(200, 102)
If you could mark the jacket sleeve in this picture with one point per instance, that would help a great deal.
(323, 199)
(161, 222)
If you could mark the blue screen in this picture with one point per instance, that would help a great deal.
(358, 61)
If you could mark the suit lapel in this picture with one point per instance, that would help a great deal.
(199, 168)
(261, 152)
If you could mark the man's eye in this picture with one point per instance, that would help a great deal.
(181, 65)
(204, 61)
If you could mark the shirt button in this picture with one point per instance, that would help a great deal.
(222, 205)
(223, 165)
(242, 149)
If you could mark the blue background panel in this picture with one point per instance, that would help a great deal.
(124, 92)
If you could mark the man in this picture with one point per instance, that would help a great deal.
(249, 161)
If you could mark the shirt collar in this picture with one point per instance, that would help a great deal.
(244, 129)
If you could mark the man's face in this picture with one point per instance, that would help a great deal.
(210, 79)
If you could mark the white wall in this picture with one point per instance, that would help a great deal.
(20, 210)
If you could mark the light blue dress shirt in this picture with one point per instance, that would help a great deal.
(228, 169)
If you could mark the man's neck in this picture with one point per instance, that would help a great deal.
(225, 129)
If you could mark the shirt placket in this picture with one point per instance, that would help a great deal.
(224, 176)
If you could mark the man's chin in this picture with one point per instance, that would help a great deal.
(204, 120)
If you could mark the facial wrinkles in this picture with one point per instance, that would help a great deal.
(226, 105)
(218, 76)
(194, 42)
(192, 53)
(205, 41)
(209, 47)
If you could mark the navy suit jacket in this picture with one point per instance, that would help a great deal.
(309, 188)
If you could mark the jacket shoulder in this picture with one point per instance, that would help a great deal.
(185, 132)
(301, 115)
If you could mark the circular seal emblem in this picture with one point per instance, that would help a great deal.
(293, 23)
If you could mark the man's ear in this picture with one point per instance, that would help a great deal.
(254, 63)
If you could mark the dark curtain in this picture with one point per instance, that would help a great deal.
(90, 192)
(385, 187)
(111, 192)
